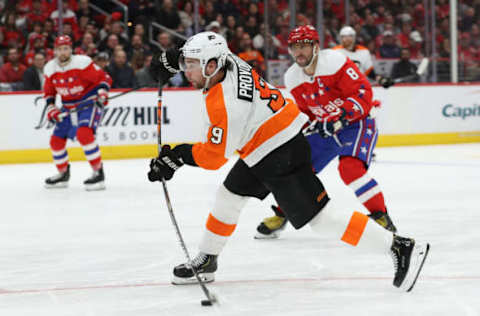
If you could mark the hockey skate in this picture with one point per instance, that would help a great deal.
(384, 220)
(408, 259)
(59, 180)
(271, 227)
(96, 182)
(204, 264)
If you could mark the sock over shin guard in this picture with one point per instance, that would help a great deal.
(90, 147)
(351, 229)
(354, 173)
(221, 221)
(59, 152)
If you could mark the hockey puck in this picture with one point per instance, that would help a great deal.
(206, 303)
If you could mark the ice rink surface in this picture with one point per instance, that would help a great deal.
(71, 252)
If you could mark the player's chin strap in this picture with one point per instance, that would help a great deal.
(314, 57)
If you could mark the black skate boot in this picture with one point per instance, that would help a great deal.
(271, 227)
(96, 181)
(204, 264)
(383, 220)
(59, 180)
(408, 259)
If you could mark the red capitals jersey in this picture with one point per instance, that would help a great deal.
(337, 84)
(76, 82)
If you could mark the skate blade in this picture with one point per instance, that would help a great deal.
(58, 185)
(205, 277)
(420, 253)
(95, 187)
(274, 235)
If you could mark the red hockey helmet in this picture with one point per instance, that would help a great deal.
(304, 33)
(63, 40)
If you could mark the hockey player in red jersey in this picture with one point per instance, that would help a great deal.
(337, 97)
(80, 83)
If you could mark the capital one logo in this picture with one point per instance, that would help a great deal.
(452, 111)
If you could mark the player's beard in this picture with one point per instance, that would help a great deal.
(64, 59)
(305, 60)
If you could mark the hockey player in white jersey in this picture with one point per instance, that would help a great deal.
(360, 56)
(244, 113)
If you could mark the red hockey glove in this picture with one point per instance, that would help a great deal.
(54, 115)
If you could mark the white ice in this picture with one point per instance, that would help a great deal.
(71, 252)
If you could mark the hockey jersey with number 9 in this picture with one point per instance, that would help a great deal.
(244, 113)
(336, 84)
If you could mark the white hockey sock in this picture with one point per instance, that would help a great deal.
(351, 229)
(221, 221)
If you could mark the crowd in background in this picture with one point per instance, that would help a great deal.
(388, 28)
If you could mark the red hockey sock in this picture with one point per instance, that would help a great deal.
(354, 173)
(59, 152)
(90, 147)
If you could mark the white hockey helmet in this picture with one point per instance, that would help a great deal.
(205, 46)
(347, 31)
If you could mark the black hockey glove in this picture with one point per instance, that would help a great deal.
(165, 165)
(165, 65)
(326, 128)
(386, 82)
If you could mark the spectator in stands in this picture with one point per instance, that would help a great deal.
(102, 60)
(165, 40)
(209, 15)
(468, 19)
(85, 47)
(37, 14)
(370, 28)
(137, 60)
(234, 43)
(404, 67)
(415, 45)
(110, 44)
(282, 37)
(251, 26)
(84, 10)
(49, 32)
(122, 74)
(92, 28)
(226, 8)
(141, 11)
(38, 47)
(36, 33)
(12, 71)
(143, 76)
(389, 49)
(252, 56)
(404, 36)
(168, 16)
(139, 30)
(68, 30)
(68, 16)
(137, 46)
(10, 33)
(33, 76)
(273, 43)
(230, 28)
(186, 18)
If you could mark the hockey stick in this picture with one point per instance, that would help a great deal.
(211, 298)
(81, 105)
(422, 68)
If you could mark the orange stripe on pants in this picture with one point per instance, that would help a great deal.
(218, 227)
(355, 228)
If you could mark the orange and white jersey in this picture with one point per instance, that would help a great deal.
(360, 56)
(246, 114)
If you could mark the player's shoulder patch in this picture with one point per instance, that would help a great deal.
(329, 62)
(293, 76)
(81, 61)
